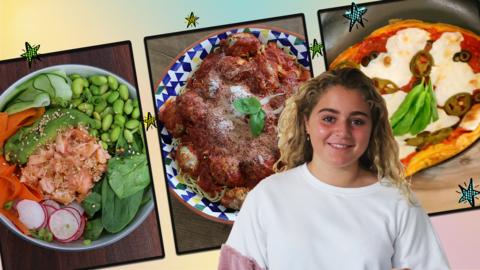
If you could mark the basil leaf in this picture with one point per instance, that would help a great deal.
(423, 117)
(406, 122)
(128, 175)
(408, 102)
(257, 122)
(249, 105)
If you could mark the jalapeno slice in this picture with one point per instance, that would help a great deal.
(385, 86)
(458, 104)
(421, 64)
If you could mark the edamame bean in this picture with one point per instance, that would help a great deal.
(95, 90)
(96, 124)
(77, 87)
(119, 120)
(93, 132)
(131, 124)
(135, 103)
(104, 145)
(76, 102)
(105, 95)
(74, 76)
(96, 115)
(128, 107)
(112, 97)
(100, 105)
(105, 137)
(118, 106)
(108, 110)
(135, 113)
(128, 135)
(84, 107)
(107, 122)
(123, 91)
(85, 82)
(98, 80)
(103, 89)
(115, 133)
(112, 82)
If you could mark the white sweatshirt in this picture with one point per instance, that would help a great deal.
(292, 220)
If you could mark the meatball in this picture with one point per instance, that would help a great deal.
(171, 118)
(187, 159)
(225, 170)
(242, 44)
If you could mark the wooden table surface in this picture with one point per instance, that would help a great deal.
(193, 232)
(144, 242)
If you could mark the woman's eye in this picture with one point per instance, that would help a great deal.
(328, 119)
(358, 122)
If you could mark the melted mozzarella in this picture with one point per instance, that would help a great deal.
(449, 77)
(404, 149)
(444, 120)
(395, 63)
(471, 120)
(393, 101)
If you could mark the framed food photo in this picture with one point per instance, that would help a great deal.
(424, 59)
(218, 95)
(73, 194)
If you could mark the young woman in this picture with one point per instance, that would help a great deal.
(340, 199)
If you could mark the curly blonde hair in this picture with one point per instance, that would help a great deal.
(381, 156)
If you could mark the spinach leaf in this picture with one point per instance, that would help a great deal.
(93, 229)
(118, 213)
(92, 203)
(147, 196)
(128, 175)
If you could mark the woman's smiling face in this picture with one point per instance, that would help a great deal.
(339, 126)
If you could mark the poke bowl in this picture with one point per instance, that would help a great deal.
(74, 172)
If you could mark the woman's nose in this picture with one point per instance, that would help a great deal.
(342, 128)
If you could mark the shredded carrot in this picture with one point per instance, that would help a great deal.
(12, 189)
(15, 121)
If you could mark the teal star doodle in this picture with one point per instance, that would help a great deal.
(468, 194)
(30, 53)
(150, 121)
(192, 20)
(316, 48)
(354, 14)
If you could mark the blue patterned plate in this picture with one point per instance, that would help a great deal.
(174, 80)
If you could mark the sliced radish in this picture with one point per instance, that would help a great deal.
(51, 203)
(77, 206)
(78, 234)
(63, 224)
(31, 213)
(50, 209)
(47, 215)
(75, 212)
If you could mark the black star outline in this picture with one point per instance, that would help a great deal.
(30, 53)
(316, 48)
(150, 121)
(468, 194)
(192, 20)
(354, 14)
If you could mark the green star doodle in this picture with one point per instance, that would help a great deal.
(192, 20)
(316, 48)
(150, 121)
(354, 14)
(468, 194)
(30, 53)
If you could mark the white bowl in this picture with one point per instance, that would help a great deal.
(105, 239)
